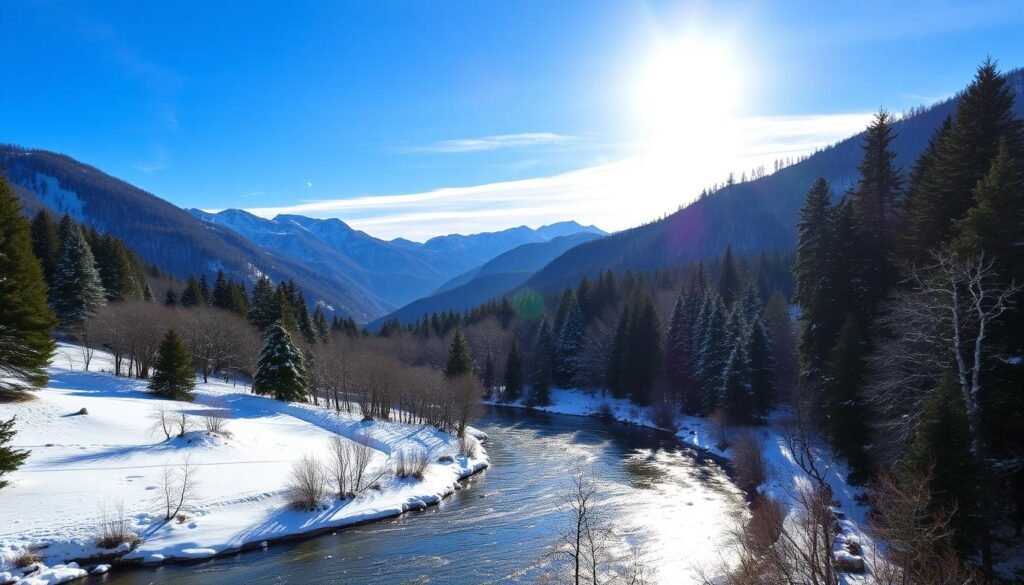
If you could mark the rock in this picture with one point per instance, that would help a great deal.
(100, 569)
(83, 410)
(847, 563)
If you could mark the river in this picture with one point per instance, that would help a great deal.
(671, 502)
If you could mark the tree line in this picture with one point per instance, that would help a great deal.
(910, 340)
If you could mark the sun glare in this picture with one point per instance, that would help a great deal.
(687, 95)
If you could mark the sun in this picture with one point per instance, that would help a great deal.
(687, 95)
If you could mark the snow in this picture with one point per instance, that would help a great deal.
(40, 574)
(111, 455)
(785, 476)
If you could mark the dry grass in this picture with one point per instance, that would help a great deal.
(749, 462)
(469, 446)
(26, 559)
(410, 462)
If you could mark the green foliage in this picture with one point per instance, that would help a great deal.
(263, 309)
(460, 360)
(845, 414)
(10, 458)
(77, 291)
(46, 243)
(26, 323)
(543, 366)
(173, 374)
(281, 370)
(570, 344)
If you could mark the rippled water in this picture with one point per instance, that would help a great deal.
(669, 500)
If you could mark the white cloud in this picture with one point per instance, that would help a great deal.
(613, 195)
(522, 140)
(309, 184)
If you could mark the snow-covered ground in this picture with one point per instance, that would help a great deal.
(80, 463)
(786, 476)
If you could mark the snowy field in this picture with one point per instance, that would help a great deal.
(785, 475)
(111, 456)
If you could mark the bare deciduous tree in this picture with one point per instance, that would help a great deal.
(307, 484)
(162, 421)
(178, 487)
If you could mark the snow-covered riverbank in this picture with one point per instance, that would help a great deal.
(785, 475)
(81, 463)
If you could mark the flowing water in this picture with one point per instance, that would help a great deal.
(669, 502)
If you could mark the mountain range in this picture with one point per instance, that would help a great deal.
(370, 279)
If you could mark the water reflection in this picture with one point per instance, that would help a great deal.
(674, 503)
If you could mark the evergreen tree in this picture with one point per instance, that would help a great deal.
(513, 374)
(147, 292)
(192, 296)
(567, 300)
(642, 357)
(812, 272)
(76, 291)
(617, 355)
(204, 288)
(762, 367)
(995, 224)
(845, 413)
(460, 360)
(281, 370)
(713, 354)
(918, 216)
(984, 120)
(736, 397)
(728, 279)
(543, 366)
(171, 298)
(323, 330)
(120, 276)
(678, 357)
(876, 206)
(283, 311)
(220, 297)
(941, 447)
(570, 344)
(173, 375)
(303, 320)
(45, 243)
(263, 310)
(26, 323)
(10, 458)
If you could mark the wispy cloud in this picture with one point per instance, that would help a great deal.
(613, 195)
(522, 140)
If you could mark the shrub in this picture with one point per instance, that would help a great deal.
(26, 559)
(307, 484)
(410, 462)
(664, 416)
(469, 446)
(748, 462)
(114, 527)
(216, 422)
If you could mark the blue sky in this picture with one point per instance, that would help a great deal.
(422, 118)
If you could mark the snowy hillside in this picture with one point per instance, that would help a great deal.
(82, 463)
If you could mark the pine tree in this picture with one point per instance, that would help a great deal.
(918, 216)
(76, 291)
(616, 356)
(941, 447)
(762, 367)
(678, 359)
(283, 311)
(643, 354)
(543, 366)
(736, 396)
(323, 330)
(728, 279)
(171, 298)
(173, 375)
(192, 296)
(281, 370)
(460, 361)
(513, 374)
(204, 288)
(10, 458)
(263, 310)
(568, 300)
(303, 320)
(812, 273)
(220, 297)
(995, 224)
(26, 323)
(713, 354)
(845, 413)
(984, 120)
(570, 344)
(45, 243)
(876, 206)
